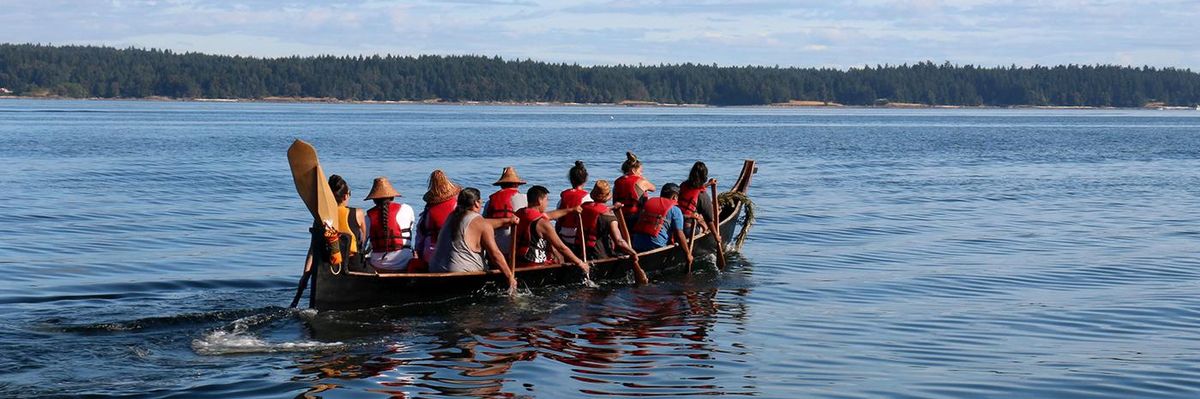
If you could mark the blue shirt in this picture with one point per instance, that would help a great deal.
(674, 221)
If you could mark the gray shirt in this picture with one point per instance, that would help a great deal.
(454, 255)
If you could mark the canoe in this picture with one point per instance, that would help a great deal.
(339, 288)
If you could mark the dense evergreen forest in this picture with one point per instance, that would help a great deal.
(88, 71)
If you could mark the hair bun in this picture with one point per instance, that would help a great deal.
(629, 155)
(578, 164)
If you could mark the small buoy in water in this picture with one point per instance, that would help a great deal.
(610, 117)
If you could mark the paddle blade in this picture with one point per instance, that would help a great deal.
(302, 158)
(326, 205)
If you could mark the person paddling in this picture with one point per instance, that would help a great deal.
(350, 220)
(600, 228)
(464, 238)
(660, 222)
(694, 202)
(503, 204)
(440, 200)
(389, 226)
(568, 227)
(630, 189)
(535, 235)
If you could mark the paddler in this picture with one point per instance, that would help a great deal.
(465, 237)
(537, 242)
(504, 204)
(631, 189)
(694, 202)
(600, 227)
(568, 226)
(440, 199)
(659, 222)
(350, 220)
(389, 226)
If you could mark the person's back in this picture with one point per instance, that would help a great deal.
(466, 237)
(389, 227)
(694, 200)
(454, 251)
(659, 222)
(504, 204)
(568, 227)
(630, 189)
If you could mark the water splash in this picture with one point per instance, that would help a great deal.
(239, 337)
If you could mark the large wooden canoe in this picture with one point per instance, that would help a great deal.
(356, 289)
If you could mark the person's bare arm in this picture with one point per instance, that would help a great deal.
(559, 213)
(547, 230)
(619, 242)
(501, 222)
(646, 185)
(683, 243)
(487, 242)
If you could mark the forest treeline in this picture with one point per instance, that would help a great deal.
(90, 71)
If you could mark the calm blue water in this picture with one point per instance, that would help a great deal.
(150, 249)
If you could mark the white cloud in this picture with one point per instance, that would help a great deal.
(805, 33)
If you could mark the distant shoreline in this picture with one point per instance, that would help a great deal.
(630, 104)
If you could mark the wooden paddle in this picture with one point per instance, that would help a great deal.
(716, 229)
(314, 190)
(580, 237)
(692, 241)
(512, 249)
(637, 267)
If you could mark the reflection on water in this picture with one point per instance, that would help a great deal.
(648, 341)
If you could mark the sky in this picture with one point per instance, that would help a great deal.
(801, 33)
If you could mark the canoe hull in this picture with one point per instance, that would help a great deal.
(358, 289)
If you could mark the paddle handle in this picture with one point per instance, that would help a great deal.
(582, 239)
(512, 249)
(716, 229)
(637, 267)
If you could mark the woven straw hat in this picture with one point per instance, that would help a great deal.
(509, 176)
(602, 191)
(381, 188)
(440, 188)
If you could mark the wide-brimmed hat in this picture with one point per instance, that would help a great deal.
(602, 191)
(440, 188)
(509, 177)
(381, 188)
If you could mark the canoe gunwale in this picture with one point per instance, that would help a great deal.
(351, 289)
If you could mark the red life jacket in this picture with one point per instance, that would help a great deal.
(500, 203)
(654, 216)
(529, 217)
(625, 192)
(571, 198)
(435, 216)
(689, 198)
(591, 219)
(387, 237)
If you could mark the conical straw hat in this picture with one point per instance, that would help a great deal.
(509, 176)
(382, 188)
(440, 188)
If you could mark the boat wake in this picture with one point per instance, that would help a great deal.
(239, 337)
